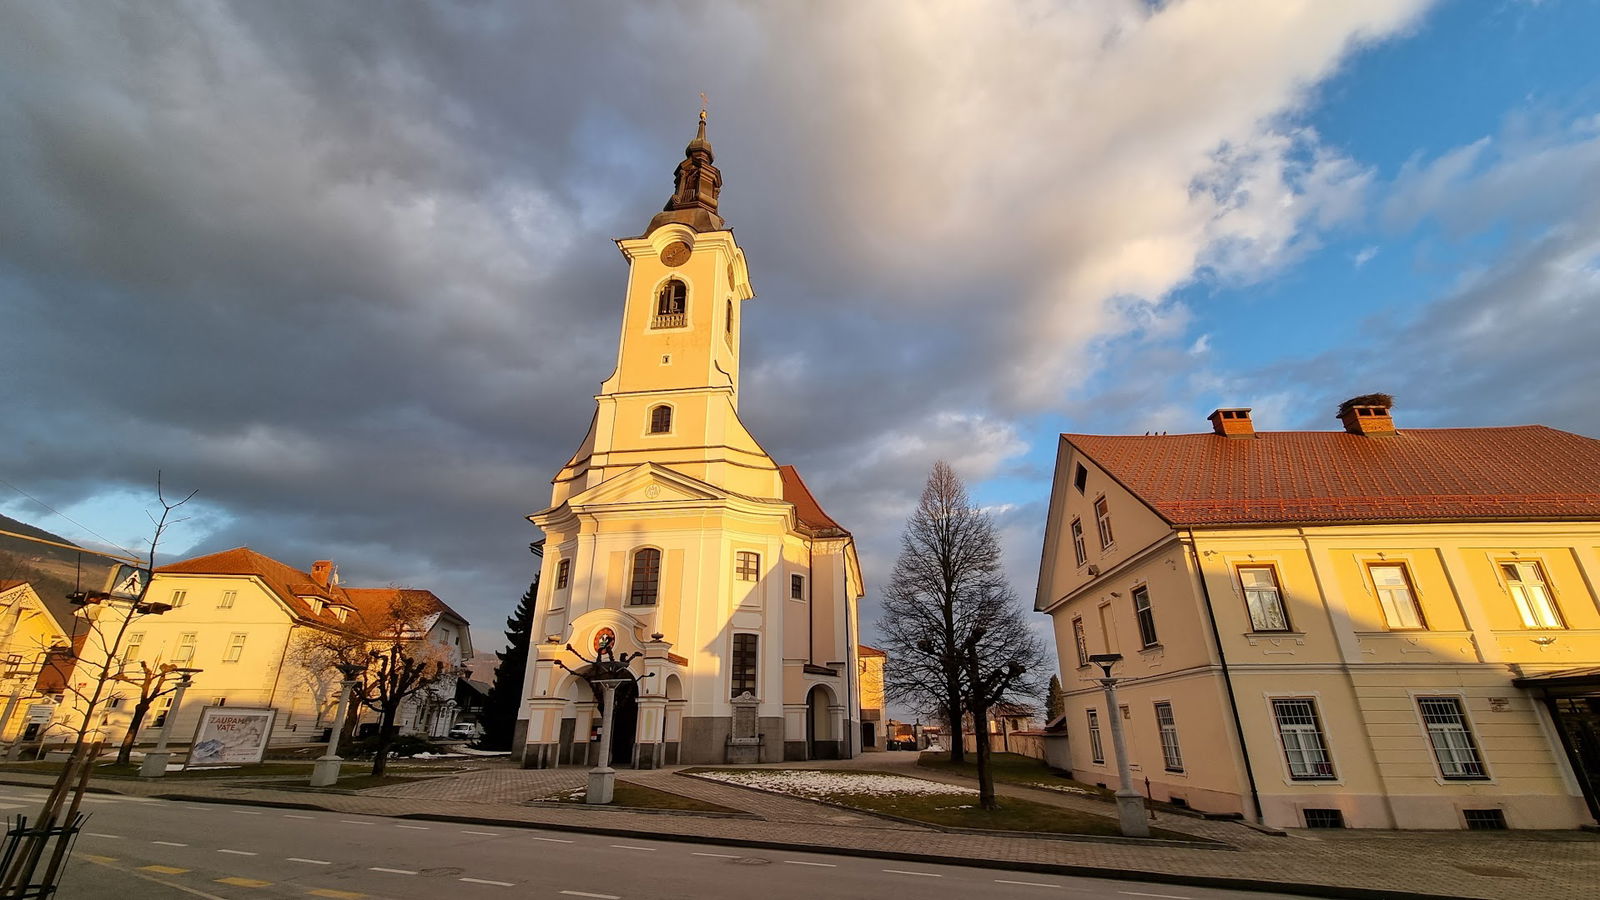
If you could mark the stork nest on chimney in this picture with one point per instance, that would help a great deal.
(1385, 401)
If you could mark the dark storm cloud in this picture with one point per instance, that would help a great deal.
(347, 268)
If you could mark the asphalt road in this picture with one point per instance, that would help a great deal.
(140, 848)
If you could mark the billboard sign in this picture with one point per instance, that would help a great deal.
(231, 736)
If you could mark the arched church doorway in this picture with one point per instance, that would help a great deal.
(624, 724)
(820, 740)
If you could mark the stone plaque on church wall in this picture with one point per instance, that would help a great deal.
(744, 717)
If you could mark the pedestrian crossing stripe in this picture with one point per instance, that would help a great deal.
(243, 882)
(163, 870)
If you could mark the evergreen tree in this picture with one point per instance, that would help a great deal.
(1055, 702)
(499, 718)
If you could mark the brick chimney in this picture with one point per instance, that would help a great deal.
(1367, 414)
(322, 572)
(1232, 422)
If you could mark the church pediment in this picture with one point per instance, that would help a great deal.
(648, 483)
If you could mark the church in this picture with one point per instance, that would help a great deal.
(672, 537)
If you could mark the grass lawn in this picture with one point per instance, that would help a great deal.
(637, 796)
(1013, 768)
(921, 800)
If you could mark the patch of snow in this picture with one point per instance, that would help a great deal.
(427, 755)
(468, 751)
(815, 784)
(1063, 788)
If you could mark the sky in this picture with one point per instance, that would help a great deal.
(346, 270)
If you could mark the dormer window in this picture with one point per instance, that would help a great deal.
(340, 613)
(672, 305)
(661, 419)
(315, 604)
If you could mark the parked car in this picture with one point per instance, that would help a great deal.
(466, 731)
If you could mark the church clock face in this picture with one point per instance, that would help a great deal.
(675, 254)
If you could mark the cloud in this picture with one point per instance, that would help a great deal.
(351, 276)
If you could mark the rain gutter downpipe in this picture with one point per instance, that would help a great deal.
(1227, 679)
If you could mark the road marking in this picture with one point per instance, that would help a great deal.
(414, 827)
(163, 870)
(801, 862)
(249, 812)
(552, 840)
(99, 859)
(314, 862)
(487, 881)
(98, 834)
(169, 844)
(1026, 883)
(904, 872)
(336, 895)
(717, 855)
(632, 847)
(287, 816)
(11, 805)
(138, 799)
(390, 871)
(1142, 894)
(240, 852)
(490, 834)
(354, 822)
(596, 896)
(236, 881)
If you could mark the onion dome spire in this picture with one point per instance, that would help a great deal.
(696, 184)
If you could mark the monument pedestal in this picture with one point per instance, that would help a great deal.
(602, 786)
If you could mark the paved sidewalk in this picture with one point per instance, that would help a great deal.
(1488, 865)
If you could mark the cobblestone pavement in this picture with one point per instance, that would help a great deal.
(1489, 865)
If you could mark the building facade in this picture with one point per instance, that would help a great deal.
(673, 534)
(34, 632)
(874, 706)
(242, 619)
(1370, 628)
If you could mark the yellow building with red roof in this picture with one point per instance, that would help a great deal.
(673, 533)
(239, 617)
(1374, 627)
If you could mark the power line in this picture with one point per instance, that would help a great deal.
(63, 515)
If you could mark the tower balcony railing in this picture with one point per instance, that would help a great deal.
(670, 320)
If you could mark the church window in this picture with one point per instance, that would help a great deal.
(563, 573)
(744, 664)
(661, 419)
(729, 323)
(797, 587)
(672, 304)
(646, 577)
(747, 565)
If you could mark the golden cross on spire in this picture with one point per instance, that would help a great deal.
(703, 104)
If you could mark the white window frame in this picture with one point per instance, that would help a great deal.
(1171, 747)
(1520, 598)
(179, 597)
(1141, 616)
(190, 641)
(1315, 699)
(1393, 618)
(229, 598)
(1277, 589)
(1080, 641)
(235, 646)
(1080, 544)
(1102, 522)
(738, 564)
(1097, 748)
(1428, 732)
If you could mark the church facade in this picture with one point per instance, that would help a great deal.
(672, 535)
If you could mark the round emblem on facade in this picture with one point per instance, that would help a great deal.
(675, 254)
(653, 491)
(604, 639)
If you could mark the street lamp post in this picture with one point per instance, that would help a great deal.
(155, 762)
(326, 770)
(1130, 803)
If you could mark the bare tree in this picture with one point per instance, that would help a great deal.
(152, 683)
(84, 671)
(396, 660)
(947, 604)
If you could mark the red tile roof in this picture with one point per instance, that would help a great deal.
(806, 507)
(1419, 474)
(291, 585)
(864, 650)
(7, 584)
